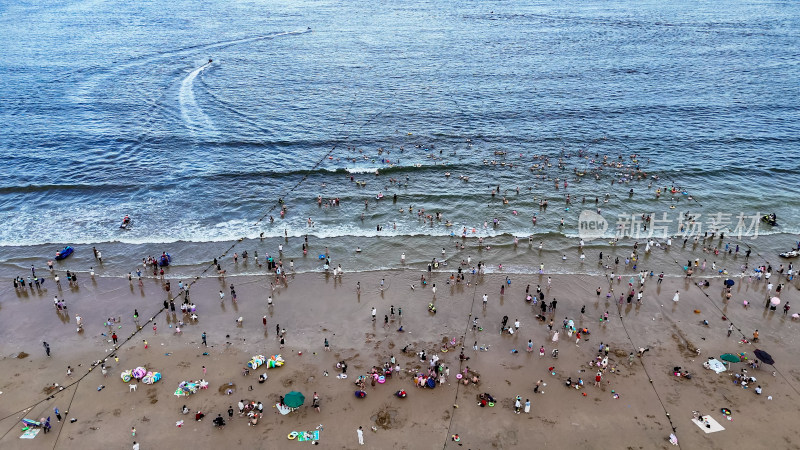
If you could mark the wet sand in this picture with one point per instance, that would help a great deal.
(315, 306)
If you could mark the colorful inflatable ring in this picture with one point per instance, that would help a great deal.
(491, 404)
(725, 411)
(458, 376)
(292, 435)
(444, 350)
(381, 379)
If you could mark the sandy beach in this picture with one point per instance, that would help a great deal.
(651, 400)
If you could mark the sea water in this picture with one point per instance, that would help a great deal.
(198, 120)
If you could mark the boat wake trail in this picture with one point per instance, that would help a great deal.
(193, 116)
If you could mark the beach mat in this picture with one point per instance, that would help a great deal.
(30, 433)
(308, 436)
(715, 426)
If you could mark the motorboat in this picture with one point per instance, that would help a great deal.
(770, 219)
(64, 253)
(126, 222)
(790, 254)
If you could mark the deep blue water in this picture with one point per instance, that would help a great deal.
(112, 108)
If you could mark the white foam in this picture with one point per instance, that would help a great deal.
(355, 170)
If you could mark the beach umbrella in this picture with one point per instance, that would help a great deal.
(294, 399)
(775, 301)
(729, 282)
(764, 357)
(730, 357)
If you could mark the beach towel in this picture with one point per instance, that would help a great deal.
(308, 436)
(715, 426)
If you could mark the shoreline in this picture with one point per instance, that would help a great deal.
(314, 307)
(382, 253)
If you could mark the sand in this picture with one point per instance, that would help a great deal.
(315, 306)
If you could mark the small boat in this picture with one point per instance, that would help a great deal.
(164, 260)
(126, 222)
(770, 219)
(790, 254)
(64, 253)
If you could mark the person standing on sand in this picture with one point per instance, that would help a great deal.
(676, 297)
(203, 336)
(374, 313)
(46, 348)
(360, 433)
(327, 345)
(135, 445)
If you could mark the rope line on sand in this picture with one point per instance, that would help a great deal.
(69, 406)
(650, 379)
(91, 368)
(460, 362)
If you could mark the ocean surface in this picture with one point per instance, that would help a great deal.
(201, 119)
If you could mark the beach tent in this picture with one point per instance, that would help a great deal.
(715, 365)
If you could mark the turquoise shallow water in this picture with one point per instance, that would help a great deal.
(114, 109)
